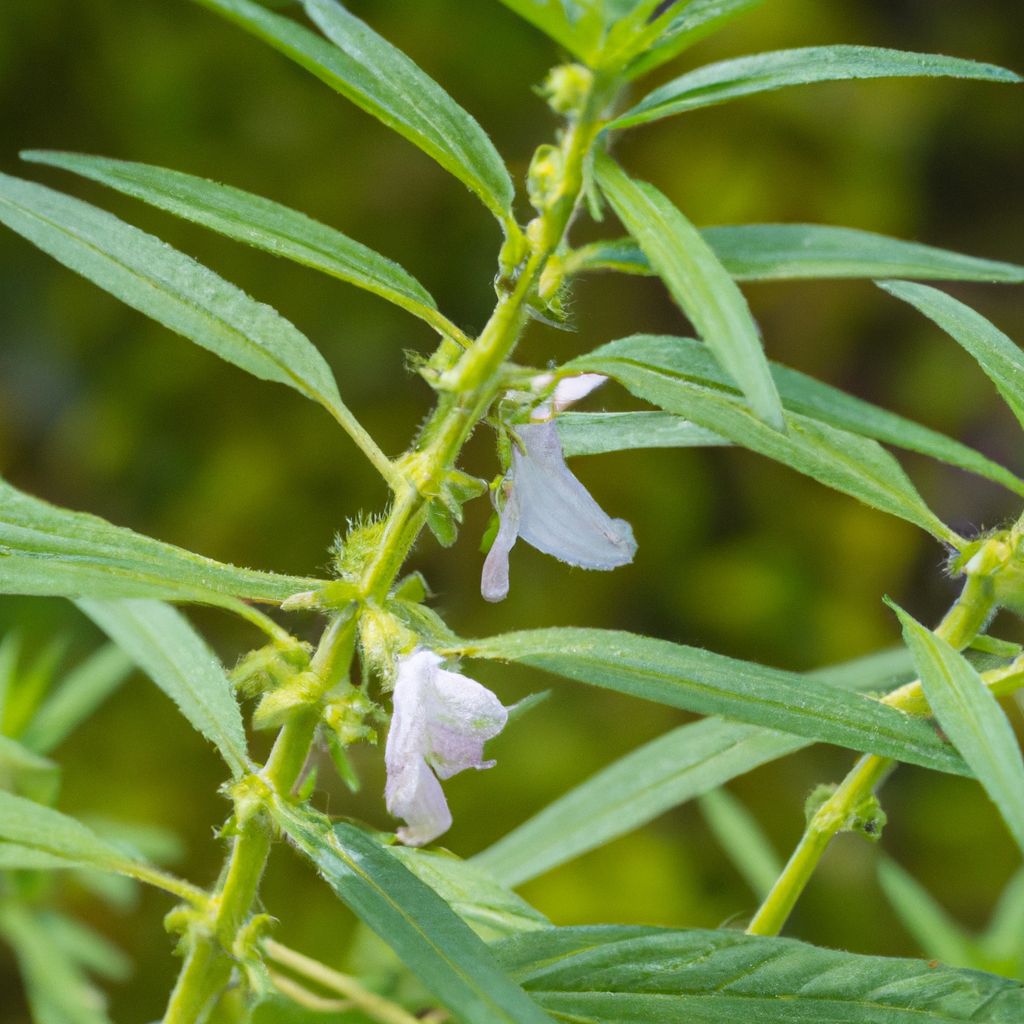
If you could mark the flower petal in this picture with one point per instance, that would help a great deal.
(414, 795)
(557, 513)
(494, 578)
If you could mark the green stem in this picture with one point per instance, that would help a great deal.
(467, 391)
(962, 623)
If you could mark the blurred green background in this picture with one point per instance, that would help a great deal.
(103, 411)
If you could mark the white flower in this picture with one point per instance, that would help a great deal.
(551, 510)
(568, 391)
(441, 720)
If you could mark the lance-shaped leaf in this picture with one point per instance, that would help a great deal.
(46, 550)
(611, 974)
(174, 290)
(712, 684)
(995, 353)
(685, 24)
(698, 283)
(594, 433)
(763, 72)
(255, 221)
(664, 773)
(164, 645)
(384, 82)
(686, 358)
(740, 835)
(430, 939)
(76, 698)
(575, 24)
(785, 252)
(972, 718)
(24, 771)
(836, 458)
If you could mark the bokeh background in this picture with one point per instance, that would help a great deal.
(103, 411)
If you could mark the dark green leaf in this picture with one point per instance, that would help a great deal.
(164, 645)
(46, 550)
(686, 358)
(712, 684)
(610, 974)
(411, 918)
(784, 252)
(995, 353)
(972, 718)
(593, 433)
(837, 458)
(670, 770)
(256, 221)
(380, 79)
(697, 282)
(763, 72)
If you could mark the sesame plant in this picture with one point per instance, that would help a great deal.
(383, 662)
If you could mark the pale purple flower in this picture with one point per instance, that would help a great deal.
(552, 511)
(440, 723)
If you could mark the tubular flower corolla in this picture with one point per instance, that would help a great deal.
(440, 723)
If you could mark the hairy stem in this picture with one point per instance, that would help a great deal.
(961, 625)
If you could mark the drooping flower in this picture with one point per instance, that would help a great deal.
(440, 723)
(546, 505)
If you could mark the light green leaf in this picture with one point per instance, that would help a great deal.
(664, 773)
(836, 458)
(488, 907)
(576, 25)
(742, 838)
(688, 24)
(36, 828)
(712, 684)
(255, 221)
(77, 698)
(995, 353)
(26, 772)
(786, 252)
(164, 645)
(58, 991)
(608, 974)
(85, 947)
(764, 72)
(697, 282)
(684, 357)
(46, 550)
(411, 918)
(1004, 938)
(972, 718)
(15, 857)
(938, 936)
(168, 286)
(380, 79)
(594, 433)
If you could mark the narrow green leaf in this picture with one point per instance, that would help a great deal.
(178, 292)
(380, 79)
(46, 550)
(938, 936)
(787, 252)
(664, 773)
(972, 718)
(24, 771)
(85, 947)
(411, 918)
(34, 827)
(613, 974)
(255, 221)
(576, 25)
(697, 282)
(685, 25)
(742, 838)
(488, 907)
(594, 433)
(764, 72)
(995, 353)
(164, 645)
(836, 458)
(686, 358)
(15, 857)
(58, 991)
(1004, 938)
(712, 684)
(77, 698)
